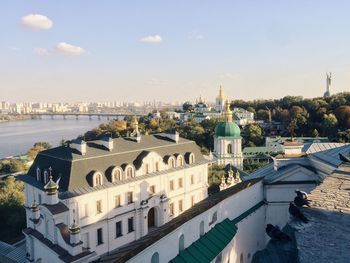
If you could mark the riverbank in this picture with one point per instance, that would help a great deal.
(15, 117)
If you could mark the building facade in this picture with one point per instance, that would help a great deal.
(228, 141)
(90, 198)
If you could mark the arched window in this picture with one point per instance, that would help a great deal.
(38, 174)
(98, 179)
(172, 163)
(116, 175)
(229, 148)
(180, 160)
(201, 228)
(46, 177)
(181, 243)
(157, 166)
(129, 172)
(155, 258)
(147, 168)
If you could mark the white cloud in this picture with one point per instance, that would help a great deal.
(41, 51)
(61, 48)
(36, 21)
(68, 49)
(196, 35)
(152, 39)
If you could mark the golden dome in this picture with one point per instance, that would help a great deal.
(51, 187)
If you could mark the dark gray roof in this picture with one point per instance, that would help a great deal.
(62, 253)
(57, 208)
(73, 168)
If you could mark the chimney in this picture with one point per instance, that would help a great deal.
(173, 135)
(79, 145)
(108, 143)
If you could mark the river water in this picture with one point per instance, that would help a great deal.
(16, 137)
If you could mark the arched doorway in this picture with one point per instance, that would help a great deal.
(151, 217)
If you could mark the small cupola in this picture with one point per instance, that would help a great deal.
(74, 230)
(51, 190)
(223, 183)
(35, 212)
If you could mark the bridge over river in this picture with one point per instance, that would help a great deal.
(98, 115)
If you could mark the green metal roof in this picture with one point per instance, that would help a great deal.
(209, 246)
(262, 150)
(227, 129)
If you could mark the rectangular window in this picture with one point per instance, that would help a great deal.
(180, 183)
(117, 201)
(99, 236)
(192, 179)
(181, 206)
(118, 229)
(98, 207)
(130, 197)
(130, 224)
(171, 185)
(152, 189)
(171, 209)
(39, 197)
(192, 200)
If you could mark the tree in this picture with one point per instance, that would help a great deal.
(12, 213)
(253, 135)
(187, 106)
(11, 166)
(37, 147)
(343, 115)
(315, 133)
(330, 120)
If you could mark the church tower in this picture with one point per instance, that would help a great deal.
(228, 141)
(220, 101)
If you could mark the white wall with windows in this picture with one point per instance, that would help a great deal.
(249, 238)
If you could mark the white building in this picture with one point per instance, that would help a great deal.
(90, 198)
(144, 199)
(220, 101)
(228, 141)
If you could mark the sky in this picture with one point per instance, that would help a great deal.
(164, 50)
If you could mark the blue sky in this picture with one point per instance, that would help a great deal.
(255, 49)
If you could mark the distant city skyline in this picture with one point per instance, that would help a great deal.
(171, 51)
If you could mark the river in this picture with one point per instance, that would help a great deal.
(16, 137)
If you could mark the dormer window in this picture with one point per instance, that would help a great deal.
(46, 177)
(97, 179)
(172, 162)
(116, 174)
(38, 174)
(129, 172)
(180, 160)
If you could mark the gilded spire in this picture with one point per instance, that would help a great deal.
(221, 95)
(227, 112)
